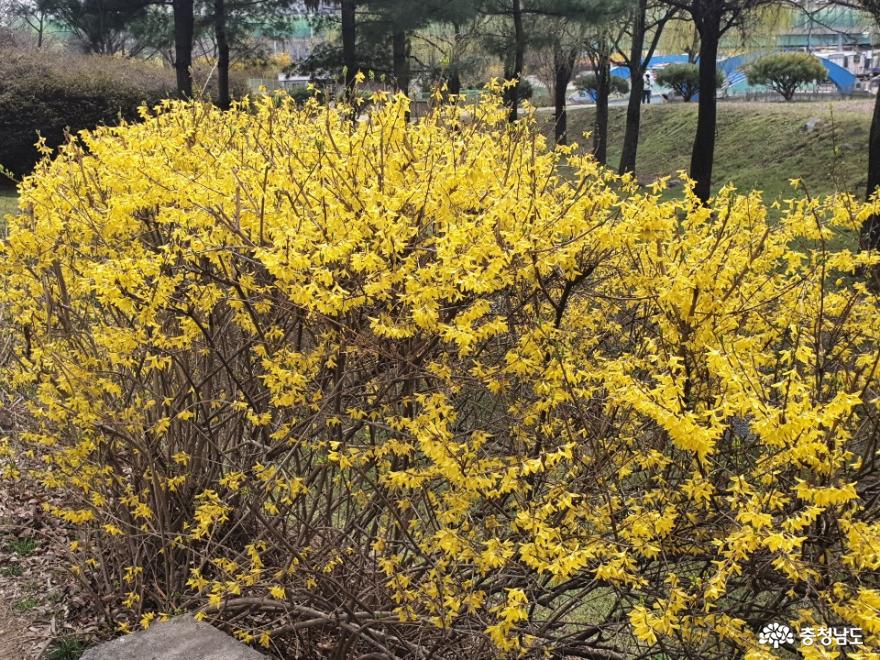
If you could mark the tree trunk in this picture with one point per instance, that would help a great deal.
(703, 153)
(629, 152)
(511, 95)
(400, 61)
(183, 43)
(349, 34)
(453, 73)
(223, 96)
(603, 91)
(870, 232)
(563, 66)
(453, 83)
(694, 48)
(637, 86)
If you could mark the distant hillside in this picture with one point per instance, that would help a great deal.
(759, 145)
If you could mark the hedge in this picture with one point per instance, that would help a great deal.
(45, 94)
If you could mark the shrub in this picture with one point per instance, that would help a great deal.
(589, 83)
(402, 388)
(684, 79)
(303, 93)
(526, 90)
(786, 72)
(46, 94)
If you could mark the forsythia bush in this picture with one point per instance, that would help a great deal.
(406, 390)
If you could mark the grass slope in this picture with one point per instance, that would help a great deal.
(758, 145)
(8, 204)
(8, 200)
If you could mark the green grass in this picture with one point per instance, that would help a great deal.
(22, 547)
(8, 200)
(65, 648)
(8, 204)
(25, 604)
(758, 145)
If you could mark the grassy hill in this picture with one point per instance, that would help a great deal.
(758, 145)
(8, 202)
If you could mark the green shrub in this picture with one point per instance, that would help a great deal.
(589, 83)
(525, 90)
(785, 72)
(684, 79)
(47, 94)
(303, 94)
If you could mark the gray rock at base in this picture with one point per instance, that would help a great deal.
(181, 638)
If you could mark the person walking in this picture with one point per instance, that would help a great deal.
(646, 90)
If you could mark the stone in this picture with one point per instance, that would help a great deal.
(181, 638)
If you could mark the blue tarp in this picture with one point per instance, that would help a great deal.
(657, 60)
(734, 70)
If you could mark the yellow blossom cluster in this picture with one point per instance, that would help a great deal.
(435, 385)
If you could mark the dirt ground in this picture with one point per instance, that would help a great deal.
(20, 633)
(14, 635)
(40, 611)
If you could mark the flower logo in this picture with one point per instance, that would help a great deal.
(776, 634)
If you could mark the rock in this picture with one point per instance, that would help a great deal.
(181, 638)
(811, 124)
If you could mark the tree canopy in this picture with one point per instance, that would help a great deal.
(684, 79)
(589, 83)
(786, 72)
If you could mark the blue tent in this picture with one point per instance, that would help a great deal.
(657, 60)
(735, 75)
